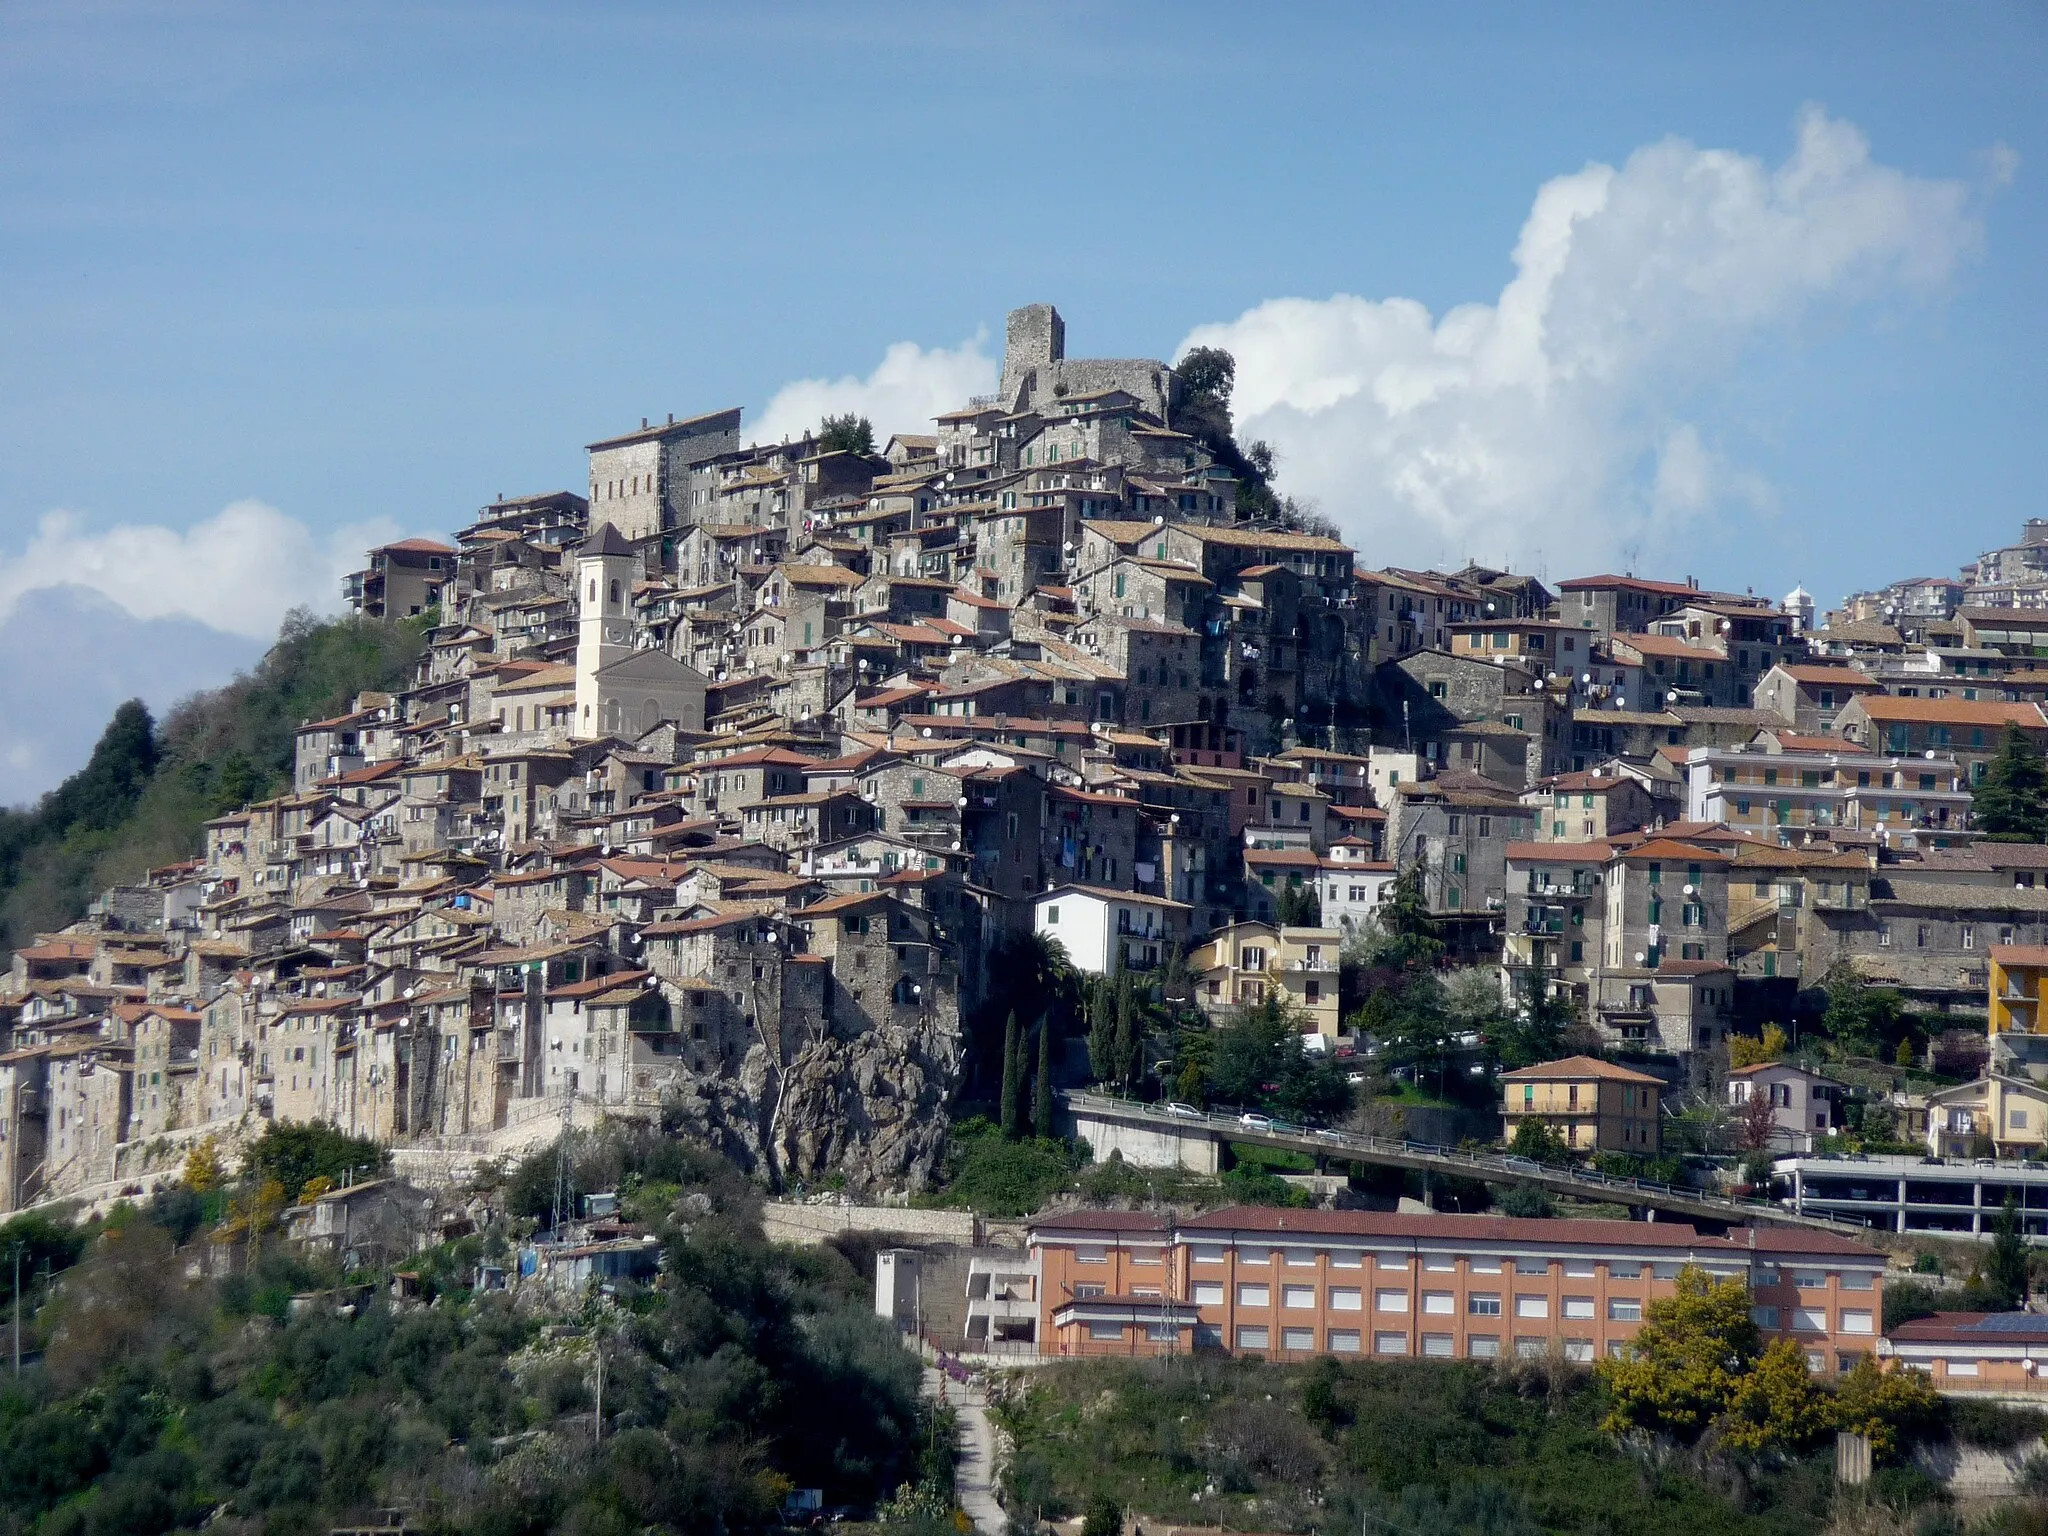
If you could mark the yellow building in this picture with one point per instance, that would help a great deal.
(2008, 1113)
(1245, 963)
(1594, 1105)
(2017, 971)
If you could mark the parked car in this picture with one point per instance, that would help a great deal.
(1185, 1111)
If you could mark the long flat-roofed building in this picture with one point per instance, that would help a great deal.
(1290, 1284)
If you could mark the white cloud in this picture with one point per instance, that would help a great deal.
(908, 388)
(238, 571)
(1550, 421)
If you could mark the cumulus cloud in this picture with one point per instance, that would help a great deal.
(908, 388)
(238, 571)
(1552, 419)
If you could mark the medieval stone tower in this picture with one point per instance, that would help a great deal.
(1037, 372)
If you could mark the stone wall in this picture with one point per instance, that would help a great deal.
(786, 1221)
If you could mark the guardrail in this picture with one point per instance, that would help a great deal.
(1330, 1142)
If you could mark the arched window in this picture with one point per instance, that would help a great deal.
(615, 592)
(593, 589)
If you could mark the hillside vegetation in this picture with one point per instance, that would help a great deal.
(149, 786)
(1429, 1449)
(169, 1403)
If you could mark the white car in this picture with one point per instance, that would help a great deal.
(1185, 1111)
(1257, 1122)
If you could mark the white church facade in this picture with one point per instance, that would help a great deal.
(622, 690)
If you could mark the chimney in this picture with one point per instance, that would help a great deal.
(671, 418)
(643, 423)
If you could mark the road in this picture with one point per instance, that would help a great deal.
(1489, 1167)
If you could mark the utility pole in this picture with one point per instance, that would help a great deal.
(18, 1246)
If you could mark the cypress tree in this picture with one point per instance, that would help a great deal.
(1101, 1031)
(1013, 1060)
(1041, 1101)
(2005, 1270)
(1125, 1049)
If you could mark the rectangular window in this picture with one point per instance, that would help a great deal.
(1105, 1330)
(1855, 1321)
(1810, 1319)
(1303, 1339)
(1301, 1257)
(1346, 1298)
(1579, 1351)
(1854, 1280)
(1482, 1346)
(1437, 1346)
(1390, 1301)
(1439, 1303)
(1091, 1253)
(1962, 1367)
(1532, 1266)
(1297, 1296)
(1251, 1338)
(1208, 1253)
(1392, 1261)
(1621, 1309)
(1344, 1341)
(1578, 1309)
(1483, 1304)
(1390, 1343)
(1208, 1293)
(1254, 1296)
(1530, 1347)
(1347, 1258)
(1532, 1306)
(1484, 1266)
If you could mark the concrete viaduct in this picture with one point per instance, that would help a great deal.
(1149, 1136)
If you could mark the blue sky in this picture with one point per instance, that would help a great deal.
(354, 269)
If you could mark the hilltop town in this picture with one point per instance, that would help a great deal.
(722, 784)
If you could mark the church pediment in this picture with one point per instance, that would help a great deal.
(650, 667)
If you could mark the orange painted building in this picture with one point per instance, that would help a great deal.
(1289, 1284)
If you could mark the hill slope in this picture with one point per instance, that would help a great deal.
(142, 797)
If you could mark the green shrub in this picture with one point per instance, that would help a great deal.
(998, 1177)
(1527, 1200)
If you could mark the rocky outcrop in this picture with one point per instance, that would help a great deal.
(870, 1108)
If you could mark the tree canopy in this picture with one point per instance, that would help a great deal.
(846, 434)
(1258, 1059)
(2010, 803)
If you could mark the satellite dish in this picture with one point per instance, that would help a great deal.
(1691, 890)
(1640, 957)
